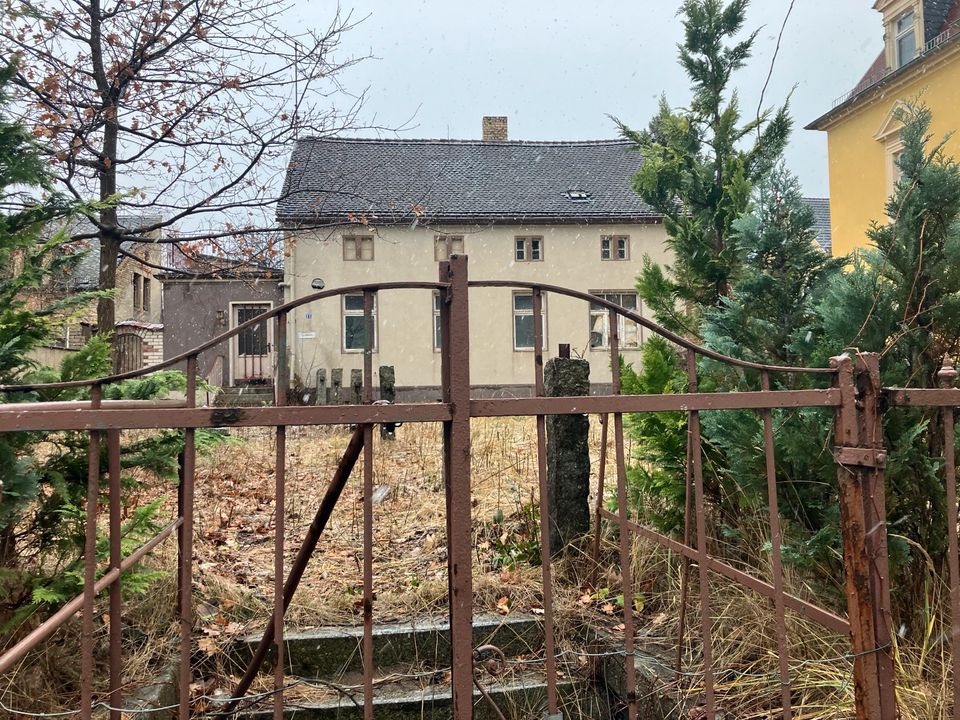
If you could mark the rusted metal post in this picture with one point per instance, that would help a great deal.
(89, 567)
(367, 398)
(598, 508)
(116, 597)
(455, 358)
(948, 378)
(860, 455)
(700, 507)
(773, 507)
(623, 516)
(186, 547)
(546, 524)
(280, 511)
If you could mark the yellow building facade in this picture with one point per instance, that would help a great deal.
(920, 62)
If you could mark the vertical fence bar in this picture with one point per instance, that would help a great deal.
(280, 509)
(368, 299)
(116, 596)
(455, 355)
(948, 377)
(626, 539)
(783, 647)
(186, 546)
(601, 478)
(549, 645)
(90, 566)
(706, 622)
(685, 561)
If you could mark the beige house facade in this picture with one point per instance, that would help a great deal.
(555, 213)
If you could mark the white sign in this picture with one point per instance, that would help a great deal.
(306, 335)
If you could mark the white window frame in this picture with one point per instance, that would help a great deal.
(524, 246)
(518, 313)
(900, 34)
(446, 245)
(614, 248)
(353, 247)
(345, 313)
(600, 322)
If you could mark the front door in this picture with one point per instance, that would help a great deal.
(252, 357)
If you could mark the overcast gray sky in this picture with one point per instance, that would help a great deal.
(558, 69)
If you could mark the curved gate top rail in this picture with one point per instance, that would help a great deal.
(282, 310)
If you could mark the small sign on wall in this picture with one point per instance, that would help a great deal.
(306, 335)
(308, 315)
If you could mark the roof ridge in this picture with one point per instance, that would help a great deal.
(442, 141)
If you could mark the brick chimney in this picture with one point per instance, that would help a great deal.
(494, 128)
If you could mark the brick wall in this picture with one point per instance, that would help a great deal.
(152, 346)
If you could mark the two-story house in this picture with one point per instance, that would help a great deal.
(920, 60)
(365, 210)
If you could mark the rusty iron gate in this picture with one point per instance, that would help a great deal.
(854, 395)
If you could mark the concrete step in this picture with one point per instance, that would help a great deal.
(332, 651)
(245, 396)
(519, 696)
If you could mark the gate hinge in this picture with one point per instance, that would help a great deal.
(860, 457)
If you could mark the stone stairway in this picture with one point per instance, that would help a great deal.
(411, 677)
(245, 396)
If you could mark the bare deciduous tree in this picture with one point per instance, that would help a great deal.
(185, 109)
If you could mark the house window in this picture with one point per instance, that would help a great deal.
(615, 247)
(137, 291)
(436, 320)
(628, 333)
(523, 320)
(528, 249)
(146, 294)
(447, 245)
(354, 323)
(358, 247)
(906, 39)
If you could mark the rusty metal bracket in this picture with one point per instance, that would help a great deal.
(860, 457)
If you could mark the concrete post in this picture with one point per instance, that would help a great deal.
(388, 393)
(336, 386)
(321, 393)
(356, 385)
(568, 454)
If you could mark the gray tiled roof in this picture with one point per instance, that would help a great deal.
(934, 15)
(821, 222)
(394, 180)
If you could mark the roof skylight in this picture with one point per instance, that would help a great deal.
(579, 195)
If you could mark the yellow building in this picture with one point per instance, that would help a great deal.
(920, 59)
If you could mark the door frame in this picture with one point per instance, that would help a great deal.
(234, 341)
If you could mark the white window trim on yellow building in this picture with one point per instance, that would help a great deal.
(889, 136)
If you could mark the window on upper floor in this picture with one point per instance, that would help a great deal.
(354, 323)
(137, 291)
(446, 245)
(628, 332)
(528, 249)
(615, 247)
(523, 320)
(358, 247)
(905, 38)
(146, 294)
